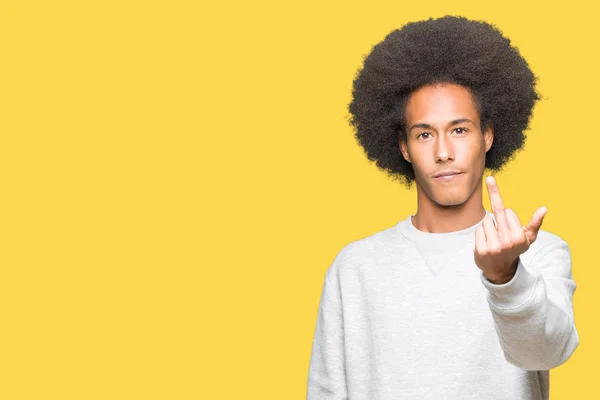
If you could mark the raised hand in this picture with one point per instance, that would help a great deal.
(498, 246)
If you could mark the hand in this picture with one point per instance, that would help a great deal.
(497, 248)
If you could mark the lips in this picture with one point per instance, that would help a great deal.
(447, 173)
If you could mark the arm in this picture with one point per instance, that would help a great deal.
(533, 312)
(326, 376)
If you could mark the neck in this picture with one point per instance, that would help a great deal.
(434, 218)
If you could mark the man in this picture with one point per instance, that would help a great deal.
(453, 302)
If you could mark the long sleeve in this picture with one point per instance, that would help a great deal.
(327, 375)
(533, 312)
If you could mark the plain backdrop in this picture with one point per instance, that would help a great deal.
(178, 176)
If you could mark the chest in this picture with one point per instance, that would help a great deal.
(410, 303)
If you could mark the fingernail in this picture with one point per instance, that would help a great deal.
(490, 180)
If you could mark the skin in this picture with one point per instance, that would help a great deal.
(499, 244)
(457, 204)
(444, 133)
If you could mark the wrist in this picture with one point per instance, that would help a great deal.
(501, 279)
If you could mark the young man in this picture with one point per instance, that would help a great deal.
(453, 302)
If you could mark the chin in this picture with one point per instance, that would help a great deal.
(452, 195)
(450, 199)
(450, 202)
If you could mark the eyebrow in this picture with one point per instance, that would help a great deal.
(428, 126)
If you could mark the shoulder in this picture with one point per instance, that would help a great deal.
(545, 240)
(548, 245)
(380, 248)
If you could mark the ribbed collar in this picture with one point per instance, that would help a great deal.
(410, 232)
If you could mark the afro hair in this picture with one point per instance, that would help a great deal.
(450, 49)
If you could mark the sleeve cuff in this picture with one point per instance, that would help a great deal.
(514, 293)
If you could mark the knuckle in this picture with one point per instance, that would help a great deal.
(494, 250)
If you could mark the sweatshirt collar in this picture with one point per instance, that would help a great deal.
(410, 232)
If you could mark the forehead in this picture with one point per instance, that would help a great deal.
(438, 104)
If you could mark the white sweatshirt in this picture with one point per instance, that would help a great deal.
(407, 314)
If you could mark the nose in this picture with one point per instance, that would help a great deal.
(443, 149)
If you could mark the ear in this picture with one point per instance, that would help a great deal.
(404, 150)
(488, 136)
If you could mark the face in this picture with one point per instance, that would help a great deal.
(444, 135)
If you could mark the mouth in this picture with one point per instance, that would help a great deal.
(448, 176)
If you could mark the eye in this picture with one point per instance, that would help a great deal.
(423, 133)
(461, 129)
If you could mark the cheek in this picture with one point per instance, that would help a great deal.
(419, 164)
(474, 151)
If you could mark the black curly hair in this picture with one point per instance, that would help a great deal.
(450, 49)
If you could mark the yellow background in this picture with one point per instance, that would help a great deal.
(177, 177)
